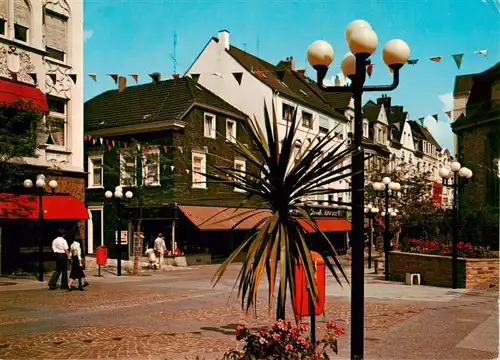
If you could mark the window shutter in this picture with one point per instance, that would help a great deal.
(55, 32)
(324, 123)
(21, 13)
(4, 10)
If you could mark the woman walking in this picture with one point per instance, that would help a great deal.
(75, 252)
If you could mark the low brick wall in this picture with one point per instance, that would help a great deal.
(436, 269)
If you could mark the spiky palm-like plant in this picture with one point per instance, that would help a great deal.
(279, 181)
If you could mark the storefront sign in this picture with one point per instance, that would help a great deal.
(320, 212)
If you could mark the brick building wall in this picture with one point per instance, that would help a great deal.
(436, 270)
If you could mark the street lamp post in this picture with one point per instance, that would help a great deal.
(387, 188)
(458, 171)
(118, 195)
(362, 42)
(40, 185)
(370, 212)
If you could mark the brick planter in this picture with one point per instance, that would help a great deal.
(436, 269)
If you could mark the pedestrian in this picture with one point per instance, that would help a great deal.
(60, 249)
(76, 272)
(160, 248)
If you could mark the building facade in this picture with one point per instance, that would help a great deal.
(41, 62)
(156, 140)
(249, 83)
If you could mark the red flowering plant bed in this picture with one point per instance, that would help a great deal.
(285, 342)
(439, 247)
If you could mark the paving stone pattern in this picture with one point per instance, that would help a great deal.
(178, 315)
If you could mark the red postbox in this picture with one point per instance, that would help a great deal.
(301, 291)
(101, 255)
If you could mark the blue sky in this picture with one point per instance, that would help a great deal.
(136, 36)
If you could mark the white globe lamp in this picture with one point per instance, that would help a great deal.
(320, 53)
(396, 52)
(363, 41)
(348, 64)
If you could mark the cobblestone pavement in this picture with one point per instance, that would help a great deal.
(178, 315)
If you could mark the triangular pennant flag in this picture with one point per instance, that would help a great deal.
(481, 52)
(281, 74)
(164, 166)
(180, 148)
(93, 77)
(187, 171)
(412, 62)
(114, 77)
(113, 143)
(448, 113)
(369, 69)
(138, 147)
(94, 141)
(458, 59)
(33, 76)
(436, 58)
(156, 77)
(53, 77)
(421, 120)
(179, 170)
(238, 76)
(165, 148)
(172, 168)
(101, 140)
(135, 77)
(435, 116)
(125, 144)
(73, 77)
(144, 148)
(122, 83)
(107, 142)
(195, 77)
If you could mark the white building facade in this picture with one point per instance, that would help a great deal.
(248, 83)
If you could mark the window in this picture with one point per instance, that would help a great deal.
(231, 131)
(209, 126)
(366, 132)
(198, 168)
(128, 174)
(338, 130)
(151, 168)
(240, 168)
(297, 149)
(56, 38)
(56, 121)
(21, 20)
(95, 171)
(307, 120)
(3, 25)
(324, 125)
(287, 112)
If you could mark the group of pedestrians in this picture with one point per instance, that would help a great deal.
(63, 253)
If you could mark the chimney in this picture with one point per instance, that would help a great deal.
(287, 64)
(292, 63)
(301, 71)
(224, 39)
(384, 100)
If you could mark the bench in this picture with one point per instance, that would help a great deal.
(410, 277)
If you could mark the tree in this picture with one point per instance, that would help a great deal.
(19, 125)
(279, 180)
(137, 166)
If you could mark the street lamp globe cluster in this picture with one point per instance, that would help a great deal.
(457, 171)
(363, 42)
(118, 193)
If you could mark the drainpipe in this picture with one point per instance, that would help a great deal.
(173, 228)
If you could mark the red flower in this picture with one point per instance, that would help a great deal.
(468, 245)
(289, 347)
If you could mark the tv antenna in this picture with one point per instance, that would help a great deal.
(258, 46)
(244, 46)
(174, 54)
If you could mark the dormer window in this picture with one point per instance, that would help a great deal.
(366, 132)
(287, 112)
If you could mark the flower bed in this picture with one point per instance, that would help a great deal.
(285, 342)
(437, 247)
(436, 269)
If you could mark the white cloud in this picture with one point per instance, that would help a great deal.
(447, 100)
(87, 34)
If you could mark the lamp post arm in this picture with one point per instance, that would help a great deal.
(395, 83)
(321, 71)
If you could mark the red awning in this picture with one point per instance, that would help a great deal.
(11, 92)
(55, 207)
(222, 218)
(327, 225)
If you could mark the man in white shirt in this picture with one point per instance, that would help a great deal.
(61, 252)
(160, 248)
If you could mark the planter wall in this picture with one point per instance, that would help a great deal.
(436, 269)
(189, 259)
